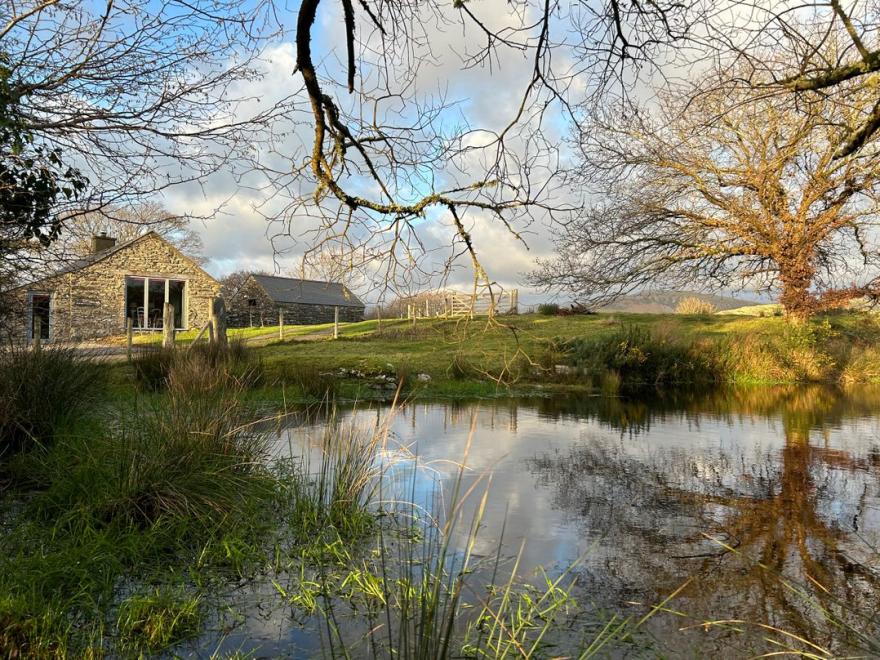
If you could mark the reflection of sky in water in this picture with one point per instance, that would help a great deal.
(632, 487)
(694, 451)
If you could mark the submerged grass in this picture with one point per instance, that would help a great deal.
(154, 621)
(420, 591)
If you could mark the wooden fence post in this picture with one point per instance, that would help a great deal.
(379, 319)
(129, 336)
(38, 333)
(218, 308)
(336, 323)
(280, 324)
(168, 326)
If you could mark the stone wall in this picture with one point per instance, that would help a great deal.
(249, 306)
(297, 314)
(90, 302)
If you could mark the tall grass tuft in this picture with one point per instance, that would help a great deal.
(153, 366)
(193, 454)
(40, 391)
(334, 490)
(631, 356)
(312, 383)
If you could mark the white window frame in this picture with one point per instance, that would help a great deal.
(146, 279)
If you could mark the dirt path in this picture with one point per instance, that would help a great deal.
(116, 353)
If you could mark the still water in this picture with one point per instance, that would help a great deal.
(763, 504)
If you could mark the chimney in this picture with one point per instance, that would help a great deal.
(102, 242)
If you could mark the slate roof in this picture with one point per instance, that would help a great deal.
(88, 260)
(307, 292)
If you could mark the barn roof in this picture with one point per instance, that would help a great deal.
(307, 292)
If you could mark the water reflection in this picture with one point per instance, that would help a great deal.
(768, 499)
(787, 536)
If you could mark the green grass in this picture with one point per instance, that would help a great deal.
(268, 332)
(770, 309)
(518, 353)
(516, 356)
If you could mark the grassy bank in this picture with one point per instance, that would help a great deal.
(592, 352)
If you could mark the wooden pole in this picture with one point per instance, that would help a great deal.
(210, 327)
(336, 323)
(129, 336)
(280, 324)
(38, 333)
(168, 326)
(379, 319)
(219, 309)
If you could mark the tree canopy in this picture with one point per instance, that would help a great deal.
(730, 190)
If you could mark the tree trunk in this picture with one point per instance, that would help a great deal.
(796, 299)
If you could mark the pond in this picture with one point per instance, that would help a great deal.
(758, 509)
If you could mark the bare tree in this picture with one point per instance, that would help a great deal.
(725, 190)
(114, 102)
(390, 153)
(126, 224)
(806, 49)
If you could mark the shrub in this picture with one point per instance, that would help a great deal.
(548, 309)
(694, 305)
(40, 391)
(631, 357)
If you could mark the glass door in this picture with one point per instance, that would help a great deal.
(136, 302)
(145, 299)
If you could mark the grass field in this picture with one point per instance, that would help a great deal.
(481, 358)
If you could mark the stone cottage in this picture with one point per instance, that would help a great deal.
(258, 299)
(93, 296)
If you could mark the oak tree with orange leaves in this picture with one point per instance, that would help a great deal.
(726, 189)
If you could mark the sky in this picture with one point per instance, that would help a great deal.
(238, 235)
(240, 232)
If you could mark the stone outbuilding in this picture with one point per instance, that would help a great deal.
(94, 296)
(258, 300)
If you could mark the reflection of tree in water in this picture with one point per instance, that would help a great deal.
(802, 515)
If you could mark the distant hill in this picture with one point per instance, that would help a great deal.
(665, 302)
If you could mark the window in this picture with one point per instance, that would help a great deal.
(252, 302)
(145, 298)
(40, 314)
